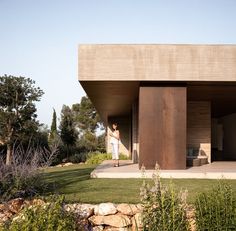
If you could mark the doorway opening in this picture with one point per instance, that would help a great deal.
(223, 138)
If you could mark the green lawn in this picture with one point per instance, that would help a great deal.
(75, 183)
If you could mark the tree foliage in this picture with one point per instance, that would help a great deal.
(86, 116)
(78, 130)
(17, 109)
(67, 127)
(54, 122)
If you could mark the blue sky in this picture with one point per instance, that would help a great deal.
(39, 38)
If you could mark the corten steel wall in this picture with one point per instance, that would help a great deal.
(162, 127)
(199, 126)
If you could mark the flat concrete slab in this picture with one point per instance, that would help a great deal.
(215, 170)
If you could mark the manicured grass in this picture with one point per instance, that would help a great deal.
(75, 183)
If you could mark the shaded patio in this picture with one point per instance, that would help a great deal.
(215, 170)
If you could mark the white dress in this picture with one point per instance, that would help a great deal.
(115, 146)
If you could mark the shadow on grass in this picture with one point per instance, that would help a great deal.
(61, 179)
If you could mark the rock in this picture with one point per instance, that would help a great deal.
(67, 164)
(37, 202)
(190, 213)
(118, 220)
(6, 215)
(137, 222)
(3, 218)
(15, 205)
(69, 208)
(3, 207)
(96, 220)
(85, 210)
(59, 165)
(127, 209)
(19, 217)
(104, 209)
(26, 203)
(98, 228)
(82, 210)
(117, 229)
(139, 207)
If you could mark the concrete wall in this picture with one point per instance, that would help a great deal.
(199, 126)
(124, 127)
(157, 62)
(229, 140)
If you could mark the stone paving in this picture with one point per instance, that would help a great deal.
(215, 170)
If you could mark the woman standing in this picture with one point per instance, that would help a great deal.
(115, 137)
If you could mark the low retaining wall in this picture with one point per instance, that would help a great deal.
(104, 216)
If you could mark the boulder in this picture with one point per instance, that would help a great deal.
(97, 220)
(104, 209)
(137, 222)
(98, 228)
(84, 210)
(118, 220)
(37, 202)
(3, 218)
(6, 215)
(15, 205)
(3, 207)
(117, 229)
(70, 207)
(127, 209)
(67, 164)
(139, 207)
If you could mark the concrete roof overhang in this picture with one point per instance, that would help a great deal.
(112, 98)
(111, 74)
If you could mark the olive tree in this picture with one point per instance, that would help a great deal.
(17, 110)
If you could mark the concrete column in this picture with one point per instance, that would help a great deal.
(162, 127)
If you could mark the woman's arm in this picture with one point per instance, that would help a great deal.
(117, 135)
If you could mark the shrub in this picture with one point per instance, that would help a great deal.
(216, 209)
(78, 157)
(164, 207)
(97, 157)
(50, 217)
(23, 177)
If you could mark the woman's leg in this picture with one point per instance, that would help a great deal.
(113, 152)
(116, 149)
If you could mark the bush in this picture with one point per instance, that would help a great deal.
(216, 209)
(97, 157)
(164, 207)
(78, 157)
(23, 178)
(50, 217)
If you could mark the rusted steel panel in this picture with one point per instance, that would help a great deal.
(162, 127)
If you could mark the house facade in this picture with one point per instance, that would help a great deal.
(174, 104)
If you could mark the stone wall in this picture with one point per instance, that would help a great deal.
(104, 216)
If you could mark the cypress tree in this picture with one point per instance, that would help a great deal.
(53, 132)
